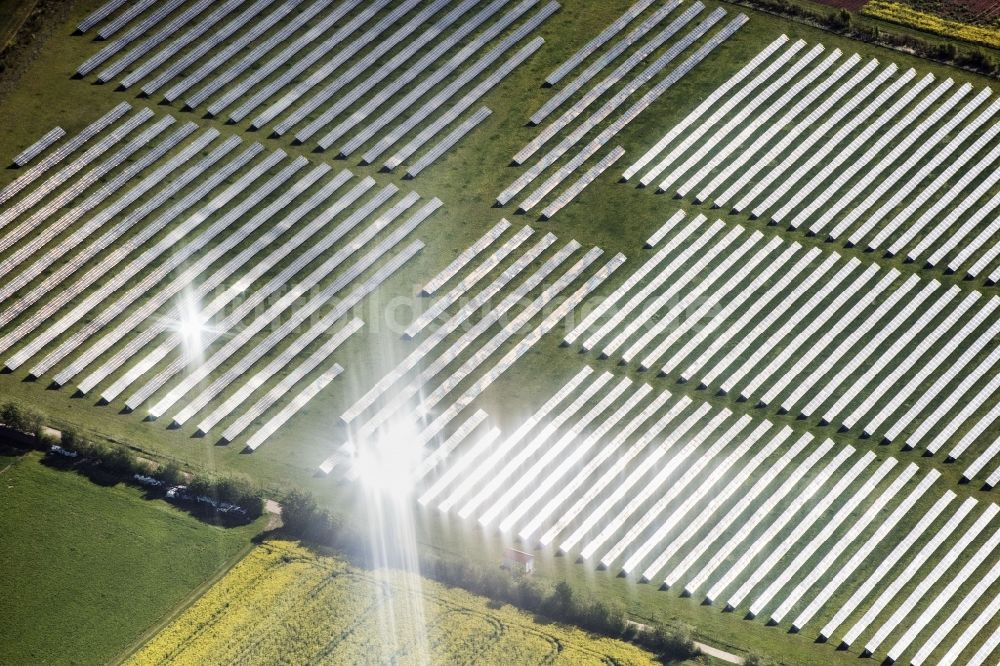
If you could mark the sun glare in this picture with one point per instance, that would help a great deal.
(188, 324)
(388, 463)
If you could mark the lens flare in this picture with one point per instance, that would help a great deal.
(188, 324)
(387, 465)
(385, 468)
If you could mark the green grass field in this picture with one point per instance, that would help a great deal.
(610, 215)
(87, 569)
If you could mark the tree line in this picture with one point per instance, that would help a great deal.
(304, 519)
(840, 22)
(121, 463)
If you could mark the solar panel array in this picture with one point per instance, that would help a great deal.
(810, 332)
(353, 76)
(37, 148)
(857, 151)
(670, 48)
(465, 339)
(149, 233)
(745, 512)
(185, 274)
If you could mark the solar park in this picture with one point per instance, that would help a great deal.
(697, 305)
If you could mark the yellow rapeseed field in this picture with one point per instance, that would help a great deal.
(908, 16)
(284, 604)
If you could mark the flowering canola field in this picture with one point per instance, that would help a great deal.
(898, 12)
(284, 604)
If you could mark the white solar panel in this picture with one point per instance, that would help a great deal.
(827, 528)
(746, 471)
(896, 347)
(611, 451)
(465, 77)
(442, 452)
(375, 46)
(462, 79)
(82, 233)
(245, 205)
(904, 147)
(154, 40)
(581, 183)
(470, 280)
(272, 64)
(602, 62)
(858, 330)
(170, 50)
(56, 156)
(446, 329)
(751, 521)
(245, 390)
(99, 15)
(884, 565)
(977, 625)
(298, 402)
(711, 102)
(825, 152)
(362, 91)
(209, 45)
(557, 315)
(561, 465)
(332, 50)
(260, 49)
(616, 76)
(924, 583)
(817, 144)
(38, 147)
(927, 368)
(742, 119)
(159, 198)
(633, 111)
(986, 549)
(670, 521)
(343, 278)
(134, 33)
(803, 523)
(827, 96)
(846, 570)
(706, 331)
(667, 271)
(848, 163)
(906, 191)
(511, 454)
(907, 575)
(377, 100)
(454, 377)
(467, 255)
(696, 294)
(830, 331)
(78, 185)
(590, 47)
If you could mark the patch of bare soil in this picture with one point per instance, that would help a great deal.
(27, 42)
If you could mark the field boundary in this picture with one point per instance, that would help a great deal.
(898, 13)
(714, 652)
(191, 599)
(904, 31)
